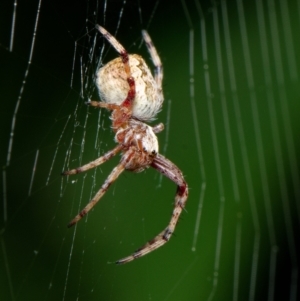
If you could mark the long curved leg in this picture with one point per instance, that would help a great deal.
(170, 170)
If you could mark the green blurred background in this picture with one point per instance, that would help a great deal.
(231, 115)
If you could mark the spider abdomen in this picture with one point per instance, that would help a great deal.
(113, 86)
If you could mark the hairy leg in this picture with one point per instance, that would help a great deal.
(170, 170)
(110, 179)
(158, 128)
(94, 163)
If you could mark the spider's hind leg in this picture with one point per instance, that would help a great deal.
(170, 170)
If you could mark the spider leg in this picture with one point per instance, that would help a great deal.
(155, 59)
(110, 179)
(111, 39)
(170, 170)
(94, 163)
(128, 102)
(158, 128)
(101, 104)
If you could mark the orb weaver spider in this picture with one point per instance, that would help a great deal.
(128, 89)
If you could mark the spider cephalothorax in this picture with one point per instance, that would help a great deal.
(127, 88)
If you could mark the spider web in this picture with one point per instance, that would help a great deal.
(231, 108)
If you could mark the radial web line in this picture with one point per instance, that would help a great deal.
(56, 150)
(33, 172)
(245, 158)
(13, 27)
(220, 184)
(198, 143)
(293, 162)
(250, 83)
(14, 119)
(202, 183)
(232, 164)
(274, 129)
(289, 43)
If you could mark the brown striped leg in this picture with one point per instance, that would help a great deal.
(101, 104)
(110, 179)
(94, 163)
(158, 128)
(155, 59)
(128, 102)
(170, 170)
(157, 63)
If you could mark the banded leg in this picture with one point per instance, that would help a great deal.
(94, 163)
(110, 179)
(111, 39)
(128, 102)
(101, 104)
(155, 58)
(170, 170)
(120, 115)
(158, 128)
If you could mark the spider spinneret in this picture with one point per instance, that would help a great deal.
(127, 88)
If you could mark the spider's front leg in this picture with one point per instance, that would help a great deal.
(170, 170)
(94, 163)
(110, 179)
(128, 101)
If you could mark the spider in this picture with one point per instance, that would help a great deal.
(128, 89)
